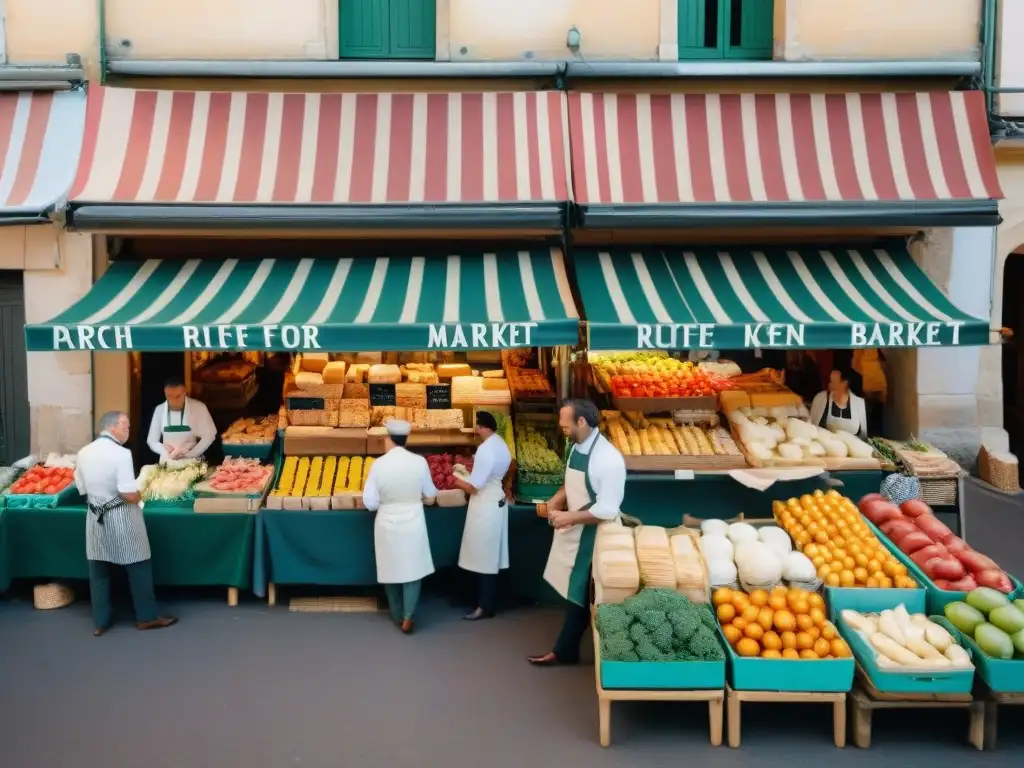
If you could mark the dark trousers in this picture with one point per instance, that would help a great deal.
(140, 581)
(487, 594)
(567, 647)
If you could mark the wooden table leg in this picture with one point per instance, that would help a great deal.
(839, 722)
(232, 597)
(991, 723)
(861, 724)
(604, 713)
(272, 594)
(716, 711)
(976, 728)
(733, 705)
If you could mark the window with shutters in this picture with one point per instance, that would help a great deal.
(387, 29)
(726, 29)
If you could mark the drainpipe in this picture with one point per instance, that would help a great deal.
(102, 12)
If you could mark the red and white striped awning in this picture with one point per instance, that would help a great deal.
(323, 149)
(758, 149)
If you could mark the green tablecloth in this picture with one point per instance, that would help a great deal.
(189, 549)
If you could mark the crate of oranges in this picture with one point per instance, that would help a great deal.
(858, 569)
(771, 634)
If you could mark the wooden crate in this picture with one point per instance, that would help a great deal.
(735, 699)
(865, 699)
(992, 700)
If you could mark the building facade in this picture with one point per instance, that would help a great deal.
(645, 46)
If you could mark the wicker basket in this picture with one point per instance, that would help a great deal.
(938, 491)
(47, 597)
(311, 418)
(998, 471)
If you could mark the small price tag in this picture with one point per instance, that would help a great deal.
(684, 474)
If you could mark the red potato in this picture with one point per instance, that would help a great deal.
(934, 528)
(948, 568)
(925, 554)
(879, 512)
(975, 562)
(966, 584)
(955, 545)
(943, 584)
(915, 508)
(869, 498)
(995, 579)
(913, 542)
(898, 528)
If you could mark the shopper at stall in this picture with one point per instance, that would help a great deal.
(838, 407)
(398, 482)
(595, 483)
(115, 533)
(182, 427)
(485, 537)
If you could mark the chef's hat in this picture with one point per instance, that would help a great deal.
(398, 427)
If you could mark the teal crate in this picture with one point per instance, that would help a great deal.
(182, 502)
(1002, 676)
(869, 600)
(532, 493)
(911, 681)
(261, 451)
(805, 675)
(68, 497)
(937, 598)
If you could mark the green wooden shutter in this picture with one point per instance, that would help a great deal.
(364, 29)
(413, 29)
(699, 29)
(750, 29)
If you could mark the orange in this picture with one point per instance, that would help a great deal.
(784, 621)
(873, 565)
(770, 654)
(861, 575)
(740, 623)
(747, 647)
(731, 634)
(899, 569)
(821, 537)
(777, 602)
(887, 567)
(816, 600)
(753, 631)
(822, 647)
(817, 616)
(846, 578)
(800, 607)
(823, 572)
(885, 582)
(739, 600)
(839, 648)
(861, 560)
(726, 613)
(765, 618)
(828, 632)
(833, 580)
(804, 641)
(788, 639)
(836, 566)
(750, 613)
(818, 561)
(722, 596)
(808, 654)
(849, 563)
(759, 598)
(771, 641)
(872, 582)
(790, 653)
(779, 590)
(905, 582)
(804, 622)
(811, 550)
(814, 632)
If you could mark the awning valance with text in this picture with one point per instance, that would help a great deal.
(811, 298)
(464, 302)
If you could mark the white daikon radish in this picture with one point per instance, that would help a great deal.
(894, 650)
(888, 626)
(790, 451)
(925, 650)
(858, 448)
(858, 621)
(937, 636)
(911, 632)
(958, 656)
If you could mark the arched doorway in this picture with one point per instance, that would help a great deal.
(1013, 350)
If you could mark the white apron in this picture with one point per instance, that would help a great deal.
(485, 537)
(180, 435)
(400, 540)
(835, 422)
(568, 567)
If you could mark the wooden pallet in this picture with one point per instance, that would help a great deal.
(333, 604)
(992, 700)
(714, 697)
(865, 699)
(735, 698)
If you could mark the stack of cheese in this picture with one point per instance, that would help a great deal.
(616, 572)
(691, 579)
(654, 554)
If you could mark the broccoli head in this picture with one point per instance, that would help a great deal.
(664, 638)
(684, 623)
(612, 618)
(648, 651)
(617, 646)
(704, 646)
(652, 619)
(707, 618)
(638, 633)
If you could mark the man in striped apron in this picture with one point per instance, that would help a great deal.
(115, 533)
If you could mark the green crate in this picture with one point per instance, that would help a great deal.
(532, 493)
(804, 675)
(937, 598)
(911, 681)
(261, 451)
(871, 600)
(1001, 675)
(69, 496)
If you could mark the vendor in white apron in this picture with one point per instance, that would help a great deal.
(398, 483)
(485, 537)
(182, 428)
(838, 408)
(595, 483)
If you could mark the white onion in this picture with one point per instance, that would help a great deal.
(721, 571)
(797, 567)
(716, 547)
(777, 539)
(742, 532)
(714, 527)
(760, 565)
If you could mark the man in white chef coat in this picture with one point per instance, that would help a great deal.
(595, 484)
(398, 483)
(485, 537)
(115, 533)
(182, 427)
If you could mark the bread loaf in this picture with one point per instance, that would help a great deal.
(356, 392)
(495, 384)
(314, 362)
(493, 374)
(334, 373)
(411, 395)
(384, 374)
(307, 380)
(450, 370)
(356, 374)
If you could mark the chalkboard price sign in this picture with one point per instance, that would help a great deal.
(382, 395)
(439, 397)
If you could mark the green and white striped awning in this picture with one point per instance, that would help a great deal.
(812, 298)
(482, 301)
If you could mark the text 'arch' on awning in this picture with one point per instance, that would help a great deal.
(446, 302)
(812, 298)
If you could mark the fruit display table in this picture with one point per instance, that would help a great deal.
(189, 549)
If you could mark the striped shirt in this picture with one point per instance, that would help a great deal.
(104, 471)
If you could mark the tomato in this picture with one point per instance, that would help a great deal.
(50, 490)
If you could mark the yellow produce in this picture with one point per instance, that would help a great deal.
(366, 472)
(341, 478)
(781, 624)
(355, 474)
(327, 479)
(301, 475)
(287, 478)
(316, 471)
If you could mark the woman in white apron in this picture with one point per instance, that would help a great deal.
(181, 427)
(838, 408)
(395, 489)
(485, 537)
(595, 483)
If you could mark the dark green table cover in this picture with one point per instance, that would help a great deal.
(189, 549)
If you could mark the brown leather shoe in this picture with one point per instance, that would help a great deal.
(408, 626)
(158, 623)
(100, 631)
(550, 660)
